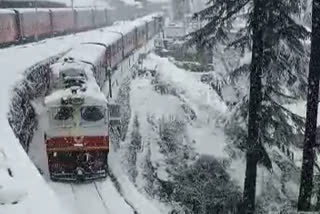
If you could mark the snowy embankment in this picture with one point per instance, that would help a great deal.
(185, 99)
(206, 104)
(38, 198)
(176, 93)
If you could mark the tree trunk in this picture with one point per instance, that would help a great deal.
(254, 108)
(306, 185)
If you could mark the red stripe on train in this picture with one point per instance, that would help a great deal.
(78, 142)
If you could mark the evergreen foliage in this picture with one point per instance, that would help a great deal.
(205, 187)
(270, 32)
(305, 194)
(229, 24)
(134, 148)
(22, 116)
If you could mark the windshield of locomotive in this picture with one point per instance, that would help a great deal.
(62, 116)
(92, 115)
(67, 116)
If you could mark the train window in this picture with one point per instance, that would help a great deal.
(63, 113)
(92, 113)
(114, 110)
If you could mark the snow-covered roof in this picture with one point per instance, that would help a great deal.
(86, 52)
(6, 11)
(33, 10)
(92, 94)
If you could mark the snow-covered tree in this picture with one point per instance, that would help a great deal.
(205, 187)
(312, 112)
(269, 39)
(133, 148)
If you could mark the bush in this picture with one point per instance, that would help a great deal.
(205, 187)
(22, 116)
(134, 147)
(123, 100)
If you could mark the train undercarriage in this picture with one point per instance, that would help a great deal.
(78, 166)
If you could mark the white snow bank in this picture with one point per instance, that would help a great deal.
(204, 101)
(145, 101)
(130, 192)
(193, 89)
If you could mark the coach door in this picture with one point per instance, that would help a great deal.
(114, 115)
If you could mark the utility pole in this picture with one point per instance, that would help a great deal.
(37, 22)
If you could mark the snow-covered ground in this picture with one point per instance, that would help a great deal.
(206, 131)
(26, 183)
(201, 98)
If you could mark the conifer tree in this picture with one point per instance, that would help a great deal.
(269, 31)
(306, 184)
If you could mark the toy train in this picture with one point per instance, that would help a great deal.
(80, 116)
(22, 25)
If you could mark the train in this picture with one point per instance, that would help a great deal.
(29, 24)
(80, 115)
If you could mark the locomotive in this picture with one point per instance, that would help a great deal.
(80, 116)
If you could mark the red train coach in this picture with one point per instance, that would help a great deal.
(84, 19)
(100, 17)
(9, 31)
(62, 20)
(34, 23)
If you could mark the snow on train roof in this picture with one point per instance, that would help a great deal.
(92, 94)
(118, 28)
(28, 10)
(86, 52)
(6, 11)
(90, 53)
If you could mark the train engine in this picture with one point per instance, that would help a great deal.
(77, 137)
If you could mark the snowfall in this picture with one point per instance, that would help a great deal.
(26, 191)
(29, 192)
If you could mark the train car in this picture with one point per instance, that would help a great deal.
(9, 31)
(77, 137)
(84, 19)
(151, 28)
(62, 20)
(35, 23)
(100, 17)
(141, 35)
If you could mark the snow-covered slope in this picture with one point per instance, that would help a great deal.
(178, 95)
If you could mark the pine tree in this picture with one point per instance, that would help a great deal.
(270, 33)
(312, 112)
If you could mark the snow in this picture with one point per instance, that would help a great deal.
(205, 102)
(137, 199)
(28, 10)
(132, 2)
(146, 101)
(6, 11)
(40, 198)
(85, 3)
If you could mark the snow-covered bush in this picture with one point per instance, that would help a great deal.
(123, 100)
(133, 148)
(149, 175)
(206, 187)
(22, 116)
